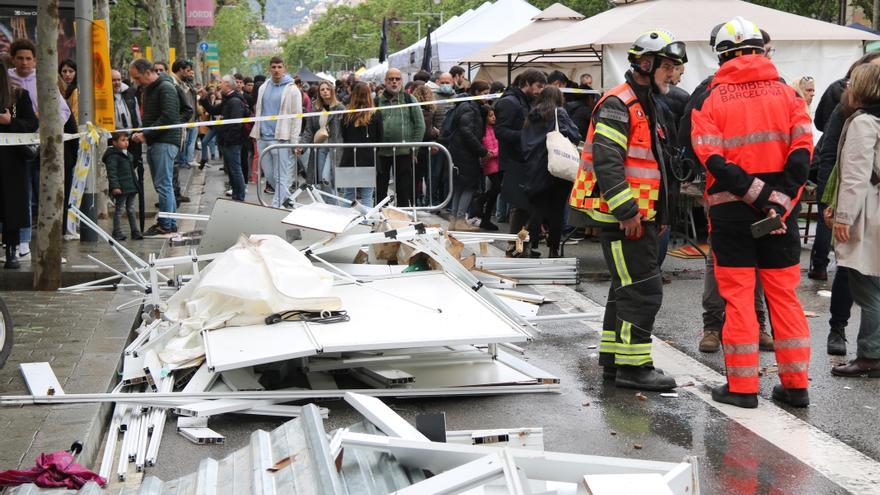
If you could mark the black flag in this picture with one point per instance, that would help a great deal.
(426, 57)
(383, 43)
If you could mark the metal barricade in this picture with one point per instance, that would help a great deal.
(358, 176)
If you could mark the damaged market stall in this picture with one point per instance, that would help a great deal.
(386, 454)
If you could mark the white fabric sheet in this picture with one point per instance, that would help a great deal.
(256, 277)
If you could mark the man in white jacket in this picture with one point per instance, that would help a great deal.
(278, 96)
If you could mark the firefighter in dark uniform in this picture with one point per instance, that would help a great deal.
(621, 187)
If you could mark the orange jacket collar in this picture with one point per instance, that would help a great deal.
(747, 68)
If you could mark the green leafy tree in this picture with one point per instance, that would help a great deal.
(124, 15)
(234, 26)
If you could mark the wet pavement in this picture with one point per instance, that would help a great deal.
(592, 417)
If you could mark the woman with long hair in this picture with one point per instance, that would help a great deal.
(364, 126)
(324, 129)
(67, 85)
(826, 157)
(547, 194)
(423, 156)
(855, 208)
(16, 116)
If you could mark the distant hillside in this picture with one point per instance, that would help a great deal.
(284, 13)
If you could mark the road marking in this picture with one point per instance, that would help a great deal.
(834, 459)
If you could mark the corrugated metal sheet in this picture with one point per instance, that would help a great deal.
(293, 459)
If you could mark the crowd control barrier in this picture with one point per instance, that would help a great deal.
(332, 180)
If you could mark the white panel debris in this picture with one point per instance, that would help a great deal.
(40, 379)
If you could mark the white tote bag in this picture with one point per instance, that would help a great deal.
(563, 160)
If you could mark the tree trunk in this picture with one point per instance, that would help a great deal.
(158, 10)
(102, 194)
(47, 270)
(875, 17)
(178, 28)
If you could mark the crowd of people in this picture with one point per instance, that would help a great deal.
(753, 156)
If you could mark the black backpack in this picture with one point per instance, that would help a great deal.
(449, 126)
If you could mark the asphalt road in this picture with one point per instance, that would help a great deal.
(591, 417)
(733, 459)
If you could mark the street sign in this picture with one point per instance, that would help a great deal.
(203, 46)
(135, 47)
(212, 60)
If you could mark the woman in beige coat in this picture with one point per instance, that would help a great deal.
(857, 216)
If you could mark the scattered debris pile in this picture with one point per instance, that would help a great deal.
(386, 454)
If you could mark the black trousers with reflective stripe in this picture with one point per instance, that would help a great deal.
(634, 297)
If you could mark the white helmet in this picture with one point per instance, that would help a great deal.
(738, 34)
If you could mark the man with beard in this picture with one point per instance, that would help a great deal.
(621, 187)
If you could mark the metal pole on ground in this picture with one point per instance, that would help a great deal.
(84, 17)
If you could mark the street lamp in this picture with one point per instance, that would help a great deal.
(432, 14)
(418, 23)
(135, 29)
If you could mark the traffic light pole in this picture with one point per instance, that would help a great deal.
(84, 17)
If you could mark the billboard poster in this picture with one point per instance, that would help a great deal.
(21, 22)
(199, 13)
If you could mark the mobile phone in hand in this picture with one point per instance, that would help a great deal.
(765, 226)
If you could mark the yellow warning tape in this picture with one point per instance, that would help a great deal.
(16, 139)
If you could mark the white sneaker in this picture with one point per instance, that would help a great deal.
(229, 192)
(475, 221)
(63, 260)
(71, 237)
(24, 250)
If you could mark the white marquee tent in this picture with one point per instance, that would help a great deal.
(375, 73)
(804, 46)
(492, 66)
(465, 34)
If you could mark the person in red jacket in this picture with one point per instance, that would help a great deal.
(754, 137)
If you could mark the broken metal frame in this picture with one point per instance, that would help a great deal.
(133, 275)
(280, 396)
(460, 466)
(547, 466)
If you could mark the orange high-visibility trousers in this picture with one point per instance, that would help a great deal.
(777, 259)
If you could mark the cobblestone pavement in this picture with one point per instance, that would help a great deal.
(81, 336)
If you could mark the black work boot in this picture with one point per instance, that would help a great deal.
(643, 378)
(11, 260)
(723, 394)
(837, 341)
(795, 397)
(609, 373)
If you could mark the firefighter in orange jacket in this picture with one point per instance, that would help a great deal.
(620, 187)
(754, 137)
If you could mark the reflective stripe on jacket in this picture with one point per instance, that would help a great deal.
(641, 169)
(754, 136)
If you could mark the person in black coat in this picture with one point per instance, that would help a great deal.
(466, 147)
(230, 136)
(510, 113)
(580, 109)
(548, 195)
(360, 128)
(16, 116)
